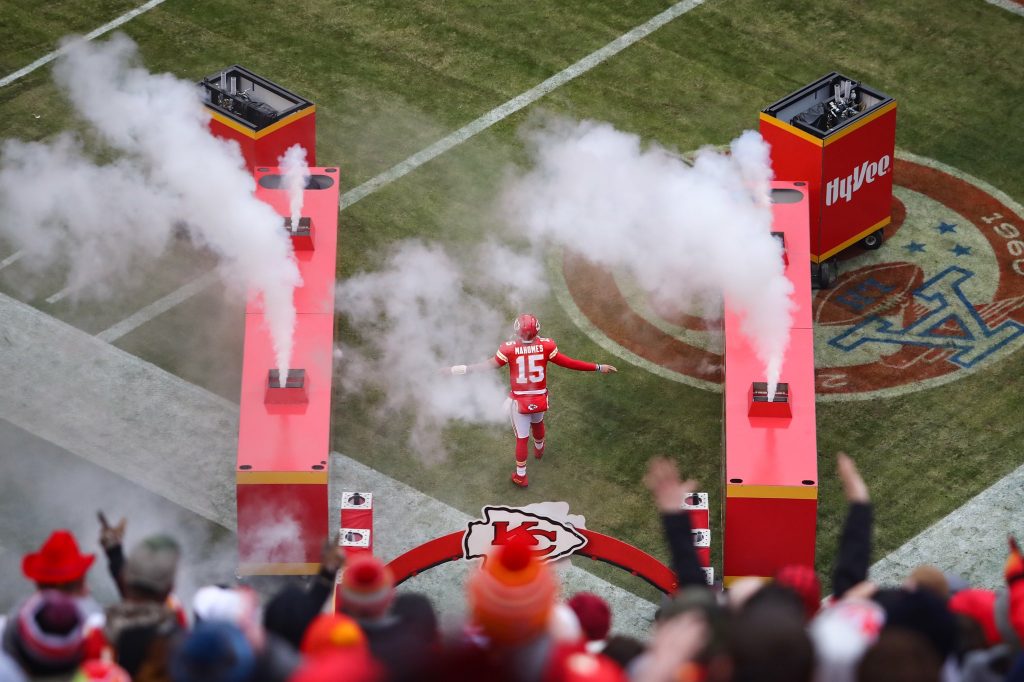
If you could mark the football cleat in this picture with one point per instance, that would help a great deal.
(520, 481)
(538, 452)
(526, 327)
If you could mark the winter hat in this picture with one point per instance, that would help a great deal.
(213, 652)
(979, 605)
(804, 581)
(583, 667)
(922, 612)
(841, 634)
(57, 561)
(214, 602)
(593, 613)
(342, 665)
(239, 606)
(47, 633)
(367, 587)
(332, 632)
(152, 564)
(511, 595)
(101, 671)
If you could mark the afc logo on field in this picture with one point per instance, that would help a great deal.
(944, 305)
(549, 538)
(942, 297)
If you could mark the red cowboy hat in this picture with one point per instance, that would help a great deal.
(57, 561)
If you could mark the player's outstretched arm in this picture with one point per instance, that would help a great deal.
(492, 363)
(563, 360)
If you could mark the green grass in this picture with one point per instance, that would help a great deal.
(390, 78)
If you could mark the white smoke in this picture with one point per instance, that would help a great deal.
(296, 175)
(685, 233)
(415, 319)
(168, 173)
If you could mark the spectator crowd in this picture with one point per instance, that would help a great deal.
(932, 628)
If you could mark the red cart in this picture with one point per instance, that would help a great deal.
(838, 136)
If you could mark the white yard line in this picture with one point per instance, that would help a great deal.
(1008, 5)
(60, 295)
(519, 102)
(109, 26)
(441, 146)
(13, 258)
(158, 307)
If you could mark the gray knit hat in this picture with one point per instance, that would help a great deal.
(152, 564)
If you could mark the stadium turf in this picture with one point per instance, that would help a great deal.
(390, 78)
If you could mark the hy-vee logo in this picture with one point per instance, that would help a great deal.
(863, 174)
(549, 538)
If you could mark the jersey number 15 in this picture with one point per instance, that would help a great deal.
(531, 363)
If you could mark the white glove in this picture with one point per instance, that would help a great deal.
(459, 369)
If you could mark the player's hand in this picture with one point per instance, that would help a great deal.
(607, 369)
(111, 536)
(662, 479)
(854, 487)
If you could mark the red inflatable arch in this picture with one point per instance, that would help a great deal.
(601, 547)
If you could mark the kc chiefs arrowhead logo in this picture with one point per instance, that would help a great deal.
(548, 538)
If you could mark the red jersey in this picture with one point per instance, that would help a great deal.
(528, 364)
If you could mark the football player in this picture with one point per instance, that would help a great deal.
(527, 355)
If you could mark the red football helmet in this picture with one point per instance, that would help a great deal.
(526, 327)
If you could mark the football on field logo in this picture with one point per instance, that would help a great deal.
(942, 297)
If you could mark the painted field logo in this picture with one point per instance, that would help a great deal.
(549, 535)
(941, 298)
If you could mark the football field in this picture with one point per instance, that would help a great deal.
(421, 104)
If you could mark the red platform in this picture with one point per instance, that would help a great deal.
(283, 448)
(319, 264)
(848, 168)
(264, 122)
(770, 469)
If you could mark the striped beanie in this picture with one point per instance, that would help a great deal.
(367, 586)
(512, 594)
(49, 632)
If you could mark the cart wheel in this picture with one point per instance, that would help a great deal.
(828, 273)
(872, 241)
